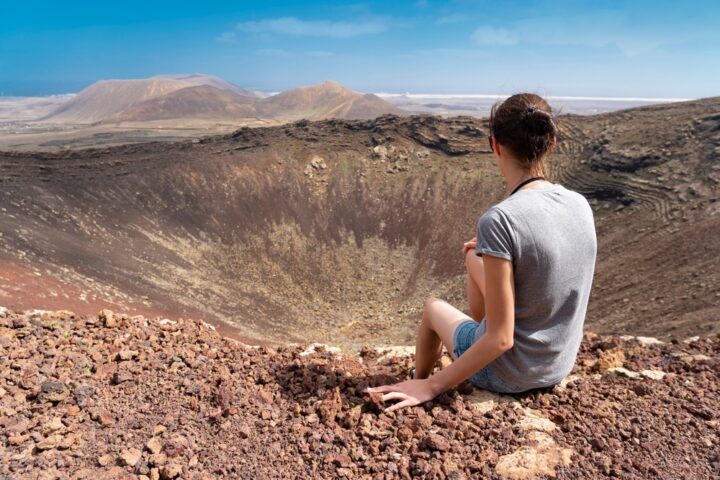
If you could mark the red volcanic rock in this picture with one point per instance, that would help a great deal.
(263, 413)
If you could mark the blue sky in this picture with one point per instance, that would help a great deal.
(654, 48)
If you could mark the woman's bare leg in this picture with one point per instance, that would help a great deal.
(436, 329)
(476, 286)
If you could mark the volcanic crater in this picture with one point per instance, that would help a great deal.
(335, 231)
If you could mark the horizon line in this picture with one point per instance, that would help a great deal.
(552, 97)
(493, 96)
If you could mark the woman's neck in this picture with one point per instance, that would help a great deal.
(517, 176)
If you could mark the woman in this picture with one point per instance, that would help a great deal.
(529, 273)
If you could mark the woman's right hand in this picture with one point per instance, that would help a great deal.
(469, 245)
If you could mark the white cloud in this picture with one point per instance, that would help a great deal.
(494, 36)
(610, 29)
(226, 37)
(313, 28)
(422, 4)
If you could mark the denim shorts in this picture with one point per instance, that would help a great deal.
(467, 333)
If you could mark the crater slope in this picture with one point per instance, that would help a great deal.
(335, 231)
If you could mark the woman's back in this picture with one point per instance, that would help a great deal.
(548, 233)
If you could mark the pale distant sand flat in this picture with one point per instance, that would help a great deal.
(479, 105)
(16, 109)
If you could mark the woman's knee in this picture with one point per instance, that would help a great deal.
(430, 301)
(476, 272)
(431, 304)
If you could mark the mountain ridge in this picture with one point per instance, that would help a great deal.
(197, 96)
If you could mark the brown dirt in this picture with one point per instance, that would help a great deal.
(114, 396)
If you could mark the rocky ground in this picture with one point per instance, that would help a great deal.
(114, 396)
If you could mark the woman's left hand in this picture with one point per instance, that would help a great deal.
(409, 393)
(469, 245)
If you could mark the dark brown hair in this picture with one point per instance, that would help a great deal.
(524, 124)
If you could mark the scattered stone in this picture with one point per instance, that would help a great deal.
(330, 407)
(623, 371)
(108, 319)
(51, 391)
(613, 358)
(318, 163)
(171, 470)
(49, 443)
(539, 459)
(533, 420)
(647, 341)
(83, 395)
(18, 439)
(380, 152)
(376, 398)
(483, 401)
(125, 355)
(393, 352)
(158, 459)
(104, 417)
(694, 358)
(154, 445)
(72, 410)
(437, 442)
(642, 389)
(130, 456)
(53, 425)
(122, 376)
(653, 374)
(319, 347)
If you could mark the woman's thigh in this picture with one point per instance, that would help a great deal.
(444, 319)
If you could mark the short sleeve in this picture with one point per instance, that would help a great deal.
(495, 235)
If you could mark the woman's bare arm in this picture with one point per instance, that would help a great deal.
(498, 338)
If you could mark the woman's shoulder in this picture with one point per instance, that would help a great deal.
(525, 206)
(532, 198)
(496, 213)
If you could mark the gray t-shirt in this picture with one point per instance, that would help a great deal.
(548, 232)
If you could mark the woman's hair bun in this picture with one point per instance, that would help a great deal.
(538, 121)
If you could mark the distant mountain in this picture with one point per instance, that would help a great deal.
(202, 101)
(217, 82)
(108, 97)
(327, 100)
(203, 96)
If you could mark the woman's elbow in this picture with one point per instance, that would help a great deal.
(504, 344)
